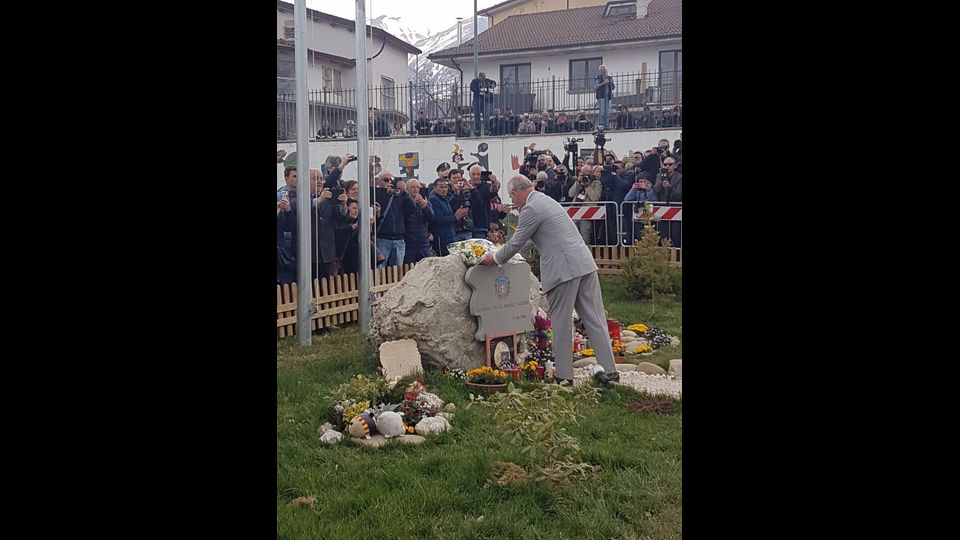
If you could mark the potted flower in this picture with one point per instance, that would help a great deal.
(486, 380)
(532, 371)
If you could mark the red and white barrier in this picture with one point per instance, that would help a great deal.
(587, 212)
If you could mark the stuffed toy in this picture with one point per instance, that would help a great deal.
(390, 424)
(362, 426)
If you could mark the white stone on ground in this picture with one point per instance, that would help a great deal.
(654, 384)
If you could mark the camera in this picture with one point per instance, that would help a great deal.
(570, 144)
(351, 159)
(336, 191)
(599, 139)
(484, 176)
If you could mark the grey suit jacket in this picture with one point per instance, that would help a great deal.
(563, 255)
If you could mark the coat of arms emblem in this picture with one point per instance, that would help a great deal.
(502, 284)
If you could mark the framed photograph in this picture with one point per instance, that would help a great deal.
(500, 349)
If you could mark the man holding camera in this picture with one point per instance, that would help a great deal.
(587, 189)
(481, 87)
(604, 94)
(568, 275)
(484, 187)
(415, 236)
(395, 206)
(460, 204)
(669, 188)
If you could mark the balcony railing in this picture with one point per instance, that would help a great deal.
(333, 110)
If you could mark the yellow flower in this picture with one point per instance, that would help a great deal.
(587, 352)
(640, 328)
(478, 252)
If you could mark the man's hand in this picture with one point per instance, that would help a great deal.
(325, 194)
(503, 209)
(376, 208)
(460, 213)
(284, 204)
(342, 198)
(488, 260)
(421, 201)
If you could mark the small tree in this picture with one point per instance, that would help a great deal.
(647, 271)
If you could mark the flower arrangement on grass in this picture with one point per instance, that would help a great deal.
(353, 409)
(530, 370)
(414, 410)
(644, 349)
(486, 375)
(456, 373)
(639, 328)
(587, 352)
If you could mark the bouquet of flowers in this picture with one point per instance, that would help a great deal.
(471, 251)
(414, 410)
(486, 375)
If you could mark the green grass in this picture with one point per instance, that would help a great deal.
(437, 490)
(666, 314)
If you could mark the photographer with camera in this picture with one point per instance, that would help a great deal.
(481, 197)
(415, 236)
(482, 88)
(605, 87)
(669, 188)
(640, 192)
(613, 188)
(459, 199)
(587, 188)
(396, 205)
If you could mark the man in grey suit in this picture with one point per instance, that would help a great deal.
(567, 273)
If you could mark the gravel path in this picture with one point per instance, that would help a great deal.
(638, 380)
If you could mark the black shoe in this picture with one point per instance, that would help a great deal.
(613, 377)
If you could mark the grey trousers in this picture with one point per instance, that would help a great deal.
(584, 293)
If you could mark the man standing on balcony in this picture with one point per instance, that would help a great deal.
(482, 98)
(605, 88)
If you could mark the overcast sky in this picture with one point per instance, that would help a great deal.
(435, 15)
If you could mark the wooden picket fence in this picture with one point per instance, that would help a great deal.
(608, 258)
(338, 297)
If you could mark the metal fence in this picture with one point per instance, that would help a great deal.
(652, 99)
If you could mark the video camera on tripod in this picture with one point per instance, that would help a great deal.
(570, 144)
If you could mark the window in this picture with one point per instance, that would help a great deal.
(515, 79)
(327, 77)
(621, 8)
(285, 70)
(582, 73)
(388, 92)
(289, 32)
(671, 71)
(337, 79)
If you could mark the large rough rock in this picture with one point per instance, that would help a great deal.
(431, 305)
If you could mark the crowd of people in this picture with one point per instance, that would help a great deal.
(412, 219)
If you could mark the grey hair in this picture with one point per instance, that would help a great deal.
(518, 183)
(541, 176)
